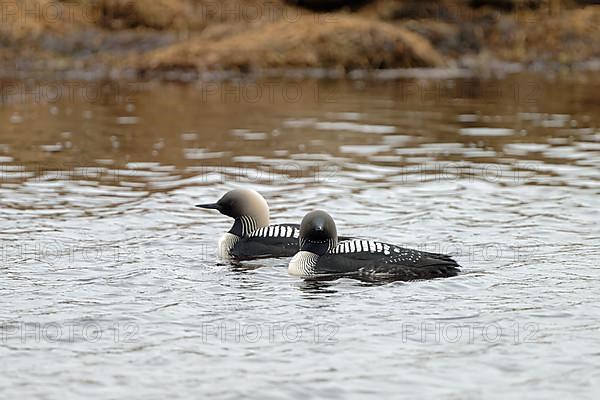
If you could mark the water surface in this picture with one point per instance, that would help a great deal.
(110, 285)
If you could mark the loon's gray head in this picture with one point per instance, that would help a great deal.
(249, 210)
(318, 233)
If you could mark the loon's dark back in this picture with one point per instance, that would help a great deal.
(270, 241)
(368, 258)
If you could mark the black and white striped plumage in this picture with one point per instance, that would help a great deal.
(251, 236)
(271, 241)
(321, 255)
(268, 241)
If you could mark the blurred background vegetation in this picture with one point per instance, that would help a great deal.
(183, 39)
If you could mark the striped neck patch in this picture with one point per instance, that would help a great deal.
(248, 224)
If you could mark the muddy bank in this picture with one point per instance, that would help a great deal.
(187, 38)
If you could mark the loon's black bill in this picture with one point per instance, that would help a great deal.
(212, 206)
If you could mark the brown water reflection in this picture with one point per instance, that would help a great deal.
(518, 122)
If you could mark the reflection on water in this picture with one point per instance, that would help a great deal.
(109, 279)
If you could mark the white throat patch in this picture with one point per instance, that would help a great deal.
(226, 243)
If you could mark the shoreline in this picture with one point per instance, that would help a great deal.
(497, 70)
(166, 40)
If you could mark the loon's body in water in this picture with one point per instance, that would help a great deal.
(321, 255)
(251, 236)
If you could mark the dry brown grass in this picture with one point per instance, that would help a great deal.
(19, 20)
(567, 37)
(154, 14)
(212, 35)
(347, 42)
(187, 14)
